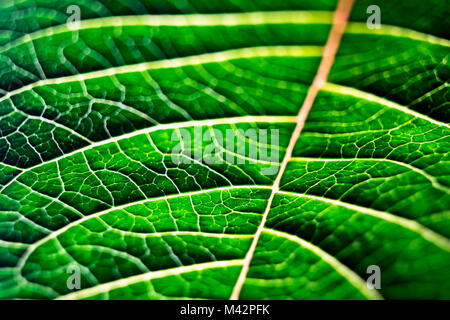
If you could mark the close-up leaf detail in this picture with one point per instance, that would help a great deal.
(88, 177)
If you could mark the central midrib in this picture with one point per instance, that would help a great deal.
(340, 19)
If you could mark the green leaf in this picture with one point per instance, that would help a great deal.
(90, 119)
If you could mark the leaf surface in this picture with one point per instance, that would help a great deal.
(88, 175)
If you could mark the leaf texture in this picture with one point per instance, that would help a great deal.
(87, 171)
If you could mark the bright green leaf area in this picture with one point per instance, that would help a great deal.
(90, 119)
